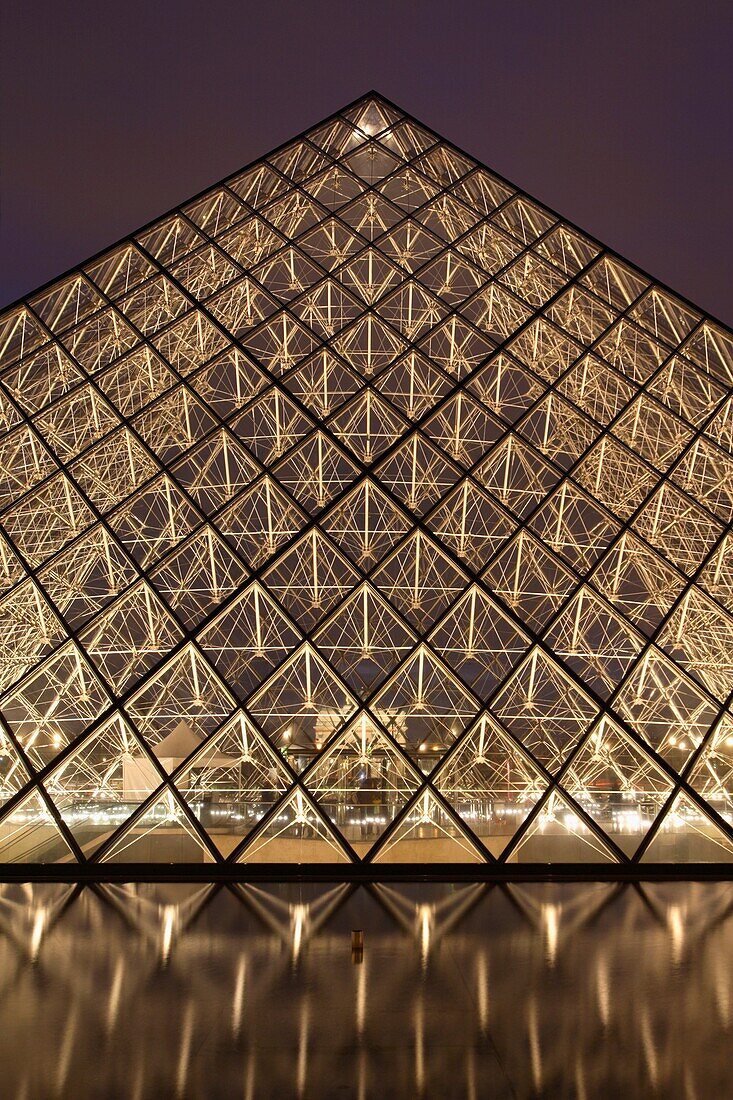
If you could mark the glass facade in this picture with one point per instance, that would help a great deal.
(362, 509)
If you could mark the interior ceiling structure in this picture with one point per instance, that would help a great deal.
(363, 509)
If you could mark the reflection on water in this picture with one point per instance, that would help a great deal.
(557, 990)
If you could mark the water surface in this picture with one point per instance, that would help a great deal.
(472, 991)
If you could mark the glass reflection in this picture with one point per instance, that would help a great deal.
(191, 990)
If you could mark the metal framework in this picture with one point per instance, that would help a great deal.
(362, 510)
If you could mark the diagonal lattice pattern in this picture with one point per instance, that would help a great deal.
(363, 509)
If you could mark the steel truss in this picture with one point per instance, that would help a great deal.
(363, 510)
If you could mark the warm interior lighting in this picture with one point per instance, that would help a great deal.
(362, 508)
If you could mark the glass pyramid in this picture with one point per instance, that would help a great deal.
(362, 509)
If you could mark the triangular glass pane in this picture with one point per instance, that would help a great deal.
(247, 640)
(198, 576)
(336, 137)
(368, 426)
(665, 708)
(490, 783)
(54, 705)
(407, 138)
(479, 641)
(301, 705)
(370, 275)
(413, 384)
(530, 579)
(324, 383)
(310, 578)
(295, 834)
(471, 524)
(594, 642)
(232, 782)
(13, 773)
(29, 834)
(179, 706)
(544, 709)
(260, 522)
(428, 834)
(298, 160)
(315, 472)
(362, 781)
(420, 580)
(567, 248)
(366, 524)
(558, 834)
(102, 783)
(516, 476)
(372, 115)
(687, 835)
(617, 784)
(163, 834)
(424, 708)
(712, 774)
(364, 640)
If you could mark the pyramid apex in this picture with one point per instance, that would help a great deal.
(365, 432)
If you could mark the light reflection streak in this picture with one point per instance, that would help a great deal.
(613, 985)
(238, 998)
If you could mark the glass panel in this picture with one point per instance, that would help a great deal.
(29, 834)
(101, 784)
(428, 834)
(232, 782)
(558, 834)
(163, 834)
(687, 835)
(296, 833)
(490, 783)
(361, 782)
(618, 785)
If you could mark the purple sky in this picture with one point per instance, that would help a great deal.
(617, 114)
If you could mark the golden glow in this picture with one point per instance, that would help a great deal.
(360, 468)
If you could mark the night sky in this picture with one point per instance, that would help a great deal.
(617, 114)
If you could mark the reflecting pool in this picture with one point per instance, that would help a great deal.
(265, 991)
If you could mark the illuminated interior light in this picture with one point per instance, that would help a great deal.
(318, 530)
